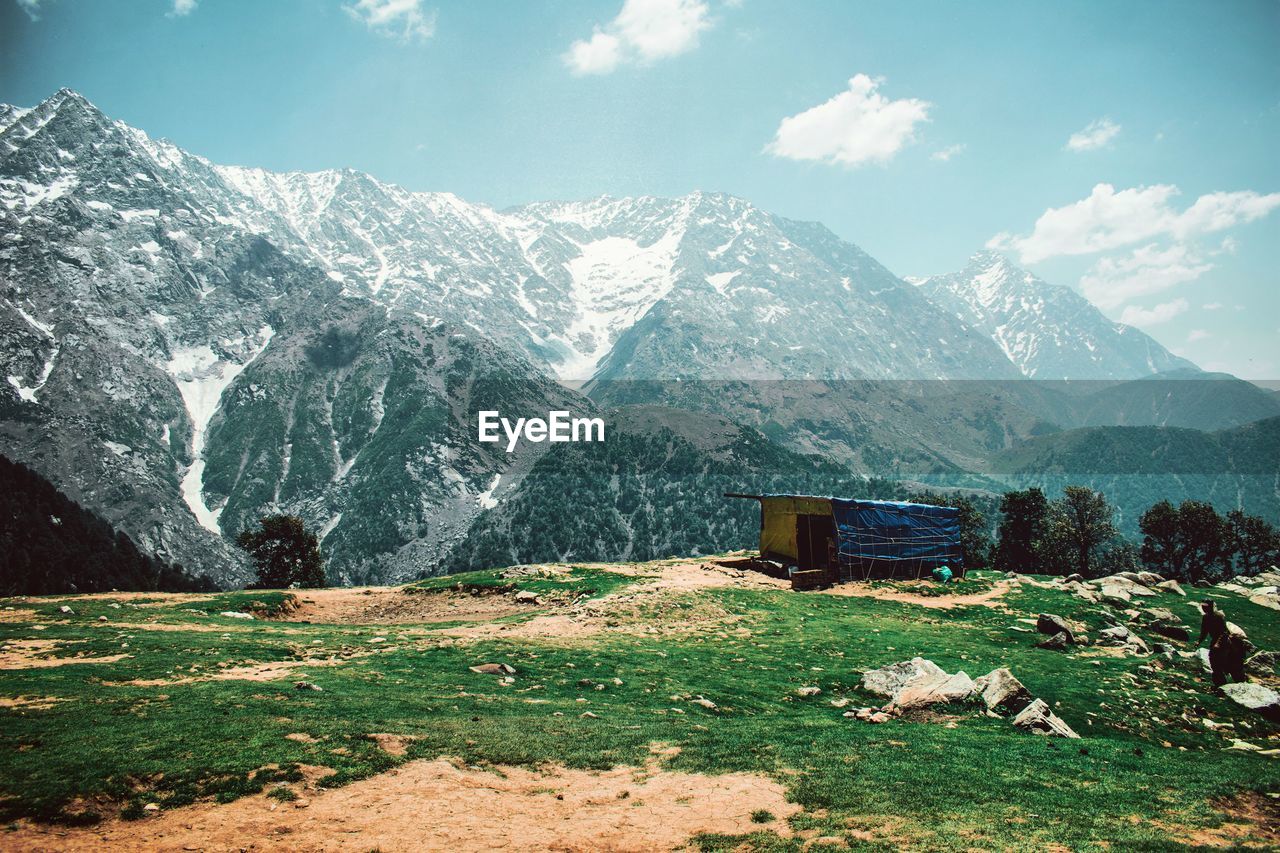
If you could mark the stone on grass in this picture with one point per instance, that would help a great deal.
(526, 596)
(65, 609)
(705, 703)
(1115, 635)
(889, 680)
(1163, 622)
(1266, 599)
(808, 691)
(935, 691)
(1255, 697)
(1048, 623)
(1171, 586)
(236, 614)
(306, 685)
(1037, 718)
(1058, 642)
(1001, 691)
(1114, 595)
(494, 669)
(1262, 663)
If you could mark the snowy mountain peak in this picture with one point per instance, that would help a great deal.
(1049, 331)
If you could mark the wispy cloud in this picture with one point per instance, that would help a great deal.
(1150, 269)
(31, 7)
(1097, 134)
(1211, 306)
(643, 32)
(404, 20)
(1197, 335)
(945, 154)
(1163, 313)
(1109, 219)
(182, 8)
(856, 127)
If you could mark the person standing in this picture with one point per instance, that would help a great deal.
(1226, 651)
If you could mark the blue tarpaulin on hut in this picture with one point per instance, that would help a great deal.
(879, 537)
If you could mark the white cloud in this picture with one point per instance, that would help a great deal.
(1197, 335)
(1211, 306)
(945, 154)
(1109, 219)
(400, 19)
(182, 8)
(856, 127)
(31, 7)
(598, 55)
(644, 31)
(1149, 269)
(1163, 313)
(1097, 134)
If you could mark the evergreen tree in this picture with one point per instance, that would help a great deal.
(285, 554)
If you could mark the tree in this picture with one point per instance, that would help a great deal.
(1189, 543)
(1160, 550)
(1023, 517)
(284, 553)
(1080, 522)
(1255, 542)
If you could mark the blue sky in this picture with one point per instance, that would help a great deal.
(919, 131)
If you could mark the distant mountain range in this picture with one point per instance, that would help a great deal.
(186, 346)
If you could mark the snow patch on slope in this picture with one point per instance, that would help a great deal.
(201, 376)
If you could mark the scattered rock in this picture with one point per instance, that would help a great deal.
(1000, 690)
(65, 609)
(808, 691)
(1075, 577)
(934, 691)
(705, 703)
(526, 596)
(1262, 663)
(1059, 641)
(1150, 579)
(102, 619)
(889, 680)
(1114, 595)
(1163, 622)
(494, 669)
(1255, 697)
(1037, 718)
(1048, 623)
(1266, 599)
(306, 685)
(151, 807)
(1115, 635)
(236, 614)
(1171, 586)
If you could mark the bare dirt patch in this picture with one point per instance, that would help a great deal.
(32, 703)
(396, 605)
(1252, 821)
(26, 654)
(989, 598)
(437, 805)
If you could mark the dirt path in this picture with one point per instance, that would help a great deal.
(436, 805)
(28, 654)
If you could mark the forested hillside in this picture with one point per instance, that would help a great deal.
(50, 544)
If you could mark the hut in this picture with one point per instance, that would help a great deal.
(825, 540)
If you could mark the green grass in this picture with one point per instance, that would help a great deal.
(977, 784)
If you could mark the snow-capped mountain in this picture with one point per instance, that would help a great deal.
(1048, 331)
(185, 346)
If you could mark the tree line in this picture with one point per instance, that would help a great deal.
(1077, 534)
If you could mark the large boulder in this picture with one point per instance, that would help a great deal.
(1149, 579)
(1037, 717)
(917, 683)
(1255, 697)
(1262, 664)
(1127, 581)
(953, 688)
(1048, 623)
(889, 680)
(1002, 692)
(1112, 594)
(1058, 642)
(1115, 635)
(1171, 586)
(1266, 599)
